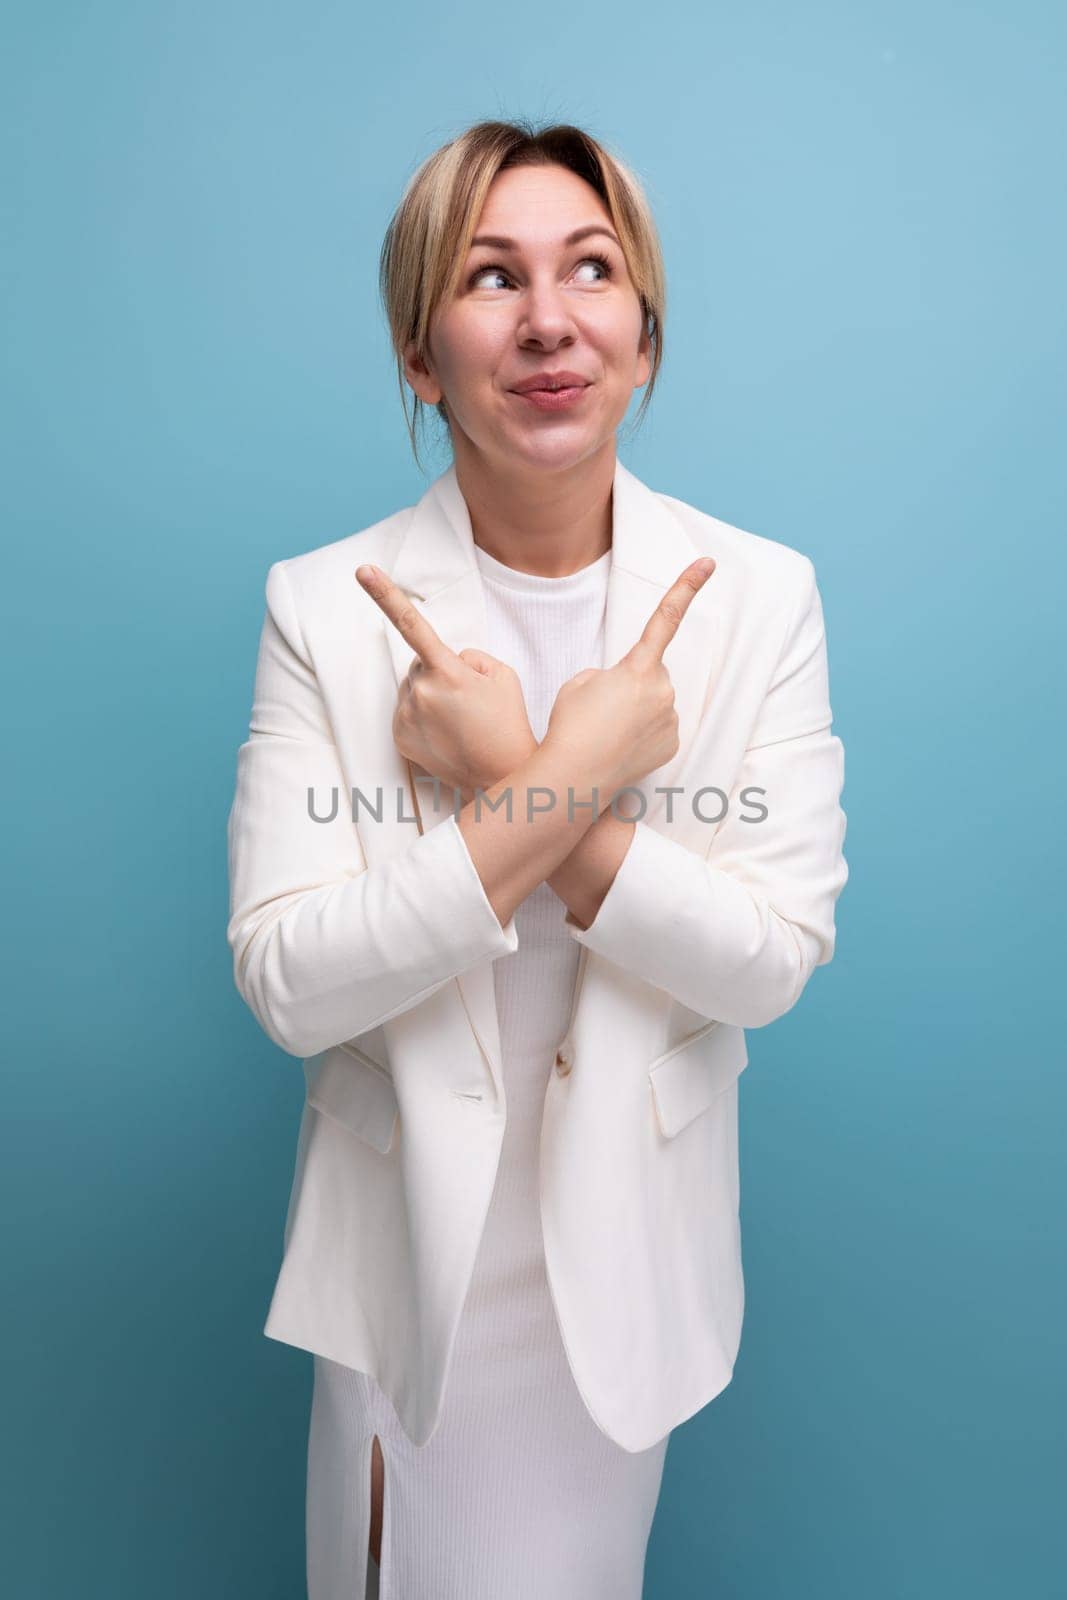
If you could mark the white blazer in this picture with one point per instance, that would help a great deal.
(366, 950)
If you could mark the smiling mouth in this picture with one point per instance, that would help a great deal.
(553, 399)
(552, 388)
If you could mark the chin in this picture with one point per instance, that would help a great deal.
(557, 449)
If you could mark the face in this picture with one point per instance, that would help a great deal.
(538, 305)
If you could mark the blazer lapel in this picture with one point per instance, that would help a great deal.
(436, 567)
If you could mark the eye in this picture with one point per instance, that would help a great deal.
(601, 261)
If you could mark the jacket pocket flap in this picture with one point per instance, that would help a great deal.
(686, 1079)
(355, 1091)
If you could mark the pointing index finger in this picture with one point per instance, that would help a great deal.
(408, 622)
(665, 621)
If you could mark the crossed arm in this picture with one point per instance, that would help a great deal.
(325, 948)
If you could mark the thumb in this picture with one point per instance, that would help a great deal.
(480, 660)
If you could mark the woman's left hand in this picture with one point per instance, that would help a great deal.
(462, 718)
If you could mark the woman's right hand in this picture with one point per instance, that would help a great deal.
(613, 726)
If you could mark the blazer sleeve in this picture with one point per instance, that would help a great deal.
(736, 934)
(325, 947)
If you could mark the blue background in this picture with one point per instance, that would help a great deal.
(861, 213)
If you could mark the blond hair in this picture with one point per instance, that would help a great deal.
(429, 234)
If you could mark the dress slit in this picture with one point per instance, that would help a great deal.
(372, 1583)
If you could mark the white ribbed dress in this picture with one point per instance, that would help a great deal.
(517, 1495)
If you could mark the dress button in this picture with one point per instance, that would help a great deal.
(564, 1060)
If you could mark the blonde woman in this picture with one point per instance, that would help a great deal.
(538, 812)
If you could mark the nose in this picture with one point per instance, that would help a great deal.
(545, 318)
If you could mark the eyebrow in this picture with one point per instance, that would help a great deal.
(499, 243)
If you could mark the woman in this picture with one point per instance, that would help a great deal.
(512, 1241)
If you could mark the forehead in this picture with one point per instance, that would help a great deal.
(539, 205)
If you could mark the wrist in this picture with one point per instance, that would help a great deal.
(570, 770)
(505, 768)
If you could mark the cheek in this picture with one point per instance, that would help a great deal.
(470, 351)
(618, 334)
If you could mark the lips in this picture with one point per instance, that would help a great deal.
(554, 399)
(549, 382)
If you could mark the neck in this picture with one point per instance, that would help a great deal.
(548, 524)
